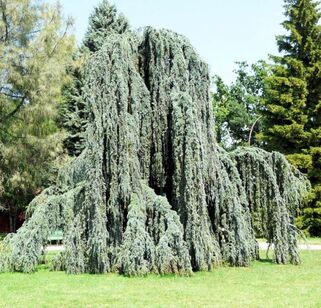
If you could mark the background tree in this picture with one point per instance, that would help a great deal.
(104, 21)
(293, 108)
(35, 48)
(73, 113)
(238, 106)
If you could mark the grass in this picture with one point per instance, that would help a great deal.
(309, 240)
(263, 284)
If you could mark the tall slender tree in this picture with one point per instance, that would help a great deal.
(104, 20)
(35, 47)
(293, 104)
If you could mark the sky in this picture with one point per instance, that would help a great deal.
(222, 31)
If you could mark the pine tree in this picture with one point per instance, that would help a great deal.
(105, 20)
(293, 109)
(73, 112)
(35, 50)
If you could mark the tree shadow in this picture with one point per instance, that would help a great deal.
(265, 260)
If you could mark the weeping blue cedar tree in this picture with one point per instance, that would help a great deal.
(151, 192)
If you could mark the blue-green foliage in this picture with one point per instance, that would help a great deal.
(151, 191)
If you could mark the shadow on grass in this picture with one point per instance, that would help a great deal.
(265, 260)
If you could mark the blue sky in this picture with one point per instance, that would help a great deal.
(222, 31)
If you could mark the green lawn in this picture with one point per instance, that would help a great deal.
(262, 285)
(311, 241)
(308, 240)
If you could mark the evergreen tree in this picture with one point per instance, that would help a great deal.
(35, 50)
(104, 21)
(293, 108)
(152, 192)
(73, 113)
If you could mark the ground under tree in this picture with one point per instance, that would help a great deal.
(151, 191)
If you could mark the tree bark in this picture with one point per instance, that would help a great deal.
(12, 219)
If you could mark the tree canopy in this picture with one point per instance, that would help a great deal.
(35, 47)
(238, 107)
